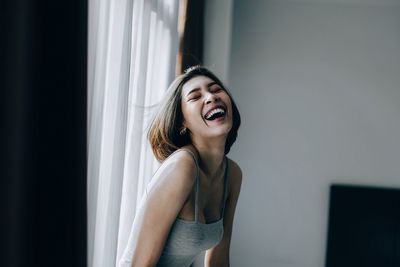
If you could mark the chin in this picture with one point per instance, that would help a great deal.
(219, 133)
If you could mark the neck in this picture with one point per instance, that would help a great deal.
(211, 157)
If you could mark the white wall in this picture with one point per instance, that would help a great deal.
(217, 36)
(318, 87)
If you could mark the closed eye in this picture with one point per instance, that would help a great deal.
(216, 89)
(194, 98)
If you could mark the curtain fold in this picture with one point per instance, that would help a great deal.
(131, 60)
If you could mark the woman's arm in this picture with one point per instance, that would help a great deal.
(165, 199)
(218, 256)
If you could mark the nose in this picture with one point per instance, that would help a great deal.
(211, 98)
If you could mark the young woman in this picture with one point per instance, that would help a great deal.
(190, 203)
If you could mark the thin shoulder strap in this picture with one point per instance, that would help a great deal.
(225, 185)
(196, 207)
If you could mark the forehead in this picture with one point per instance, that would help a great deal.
(196, 82)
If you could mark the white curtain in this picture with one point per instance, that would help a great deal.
(131, 59)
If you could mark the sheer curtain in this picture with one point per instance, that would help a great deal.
(132, 50)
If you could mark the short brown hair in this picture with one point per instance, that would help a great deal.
(164, 130)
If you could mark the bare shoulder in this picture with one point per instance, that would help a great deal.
(235, 176)
(176, 174)
(166, 195)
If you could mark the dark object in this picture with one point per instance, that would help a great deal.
(191, 42)
(364, 227)
(43, 133)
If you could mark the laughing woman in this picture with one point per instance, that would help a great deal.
(190, 203)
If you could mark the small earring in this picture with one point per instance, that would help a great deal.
(182, 131)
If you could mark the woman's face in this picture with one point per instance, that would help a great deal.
(206, 108)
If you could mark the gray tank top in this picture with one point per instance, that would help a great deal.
(186, 239)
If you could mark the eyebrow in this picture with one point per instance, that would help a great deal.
(197, 88)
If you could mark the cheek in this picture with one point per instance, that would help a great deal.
(228, 101)
(184, 110)
(186, 107)
(190, 113)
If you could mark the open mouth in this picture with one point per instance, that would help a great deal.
(215, 114)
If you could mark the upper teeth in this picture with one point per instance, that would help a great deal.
(212, 112)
